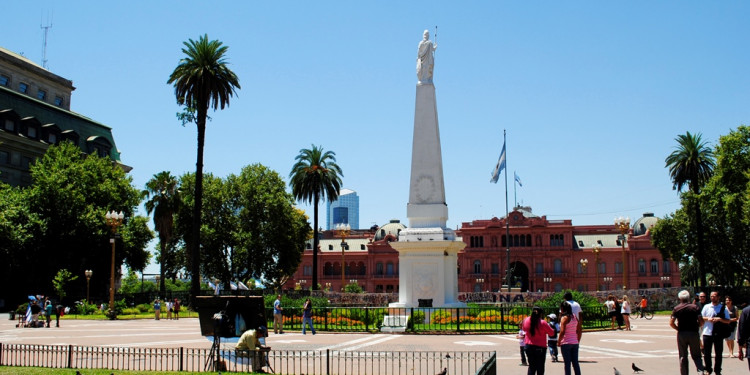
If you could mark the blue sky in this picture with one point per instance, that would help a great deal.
(591, 93)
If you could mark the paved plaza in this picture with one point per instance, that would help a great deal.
(651, 344)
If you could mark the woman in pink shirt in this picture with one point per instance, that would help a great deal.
(570, 336)
(537, 330)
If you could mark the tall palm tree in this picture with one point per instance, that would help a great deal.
(201, 80)
(315, 175)
(162, 193)
(691, 164)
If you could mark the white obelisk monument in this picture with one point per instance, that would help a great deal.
(427, 250)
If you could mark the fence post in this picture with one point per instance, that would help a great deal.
(367, 320)
(182, 353)
(411, 318)
(326, 319)
(458, 319)
(502, 318)
(70, 356)
(1, 354)
(328, 361)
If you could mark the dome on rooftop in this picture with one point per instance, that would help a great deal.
(644, 223)
(393, 228)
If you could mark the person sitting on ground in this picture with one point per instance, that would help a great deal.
(249, 345)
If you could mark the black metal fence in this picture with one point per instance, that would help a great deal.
(278, 361)
(426, 319)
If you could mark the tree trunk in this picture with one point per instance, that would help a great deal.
(315, 244)
(195, 268)
(701, 250)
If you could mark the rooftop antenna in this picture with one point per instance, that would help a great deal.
(44, 40)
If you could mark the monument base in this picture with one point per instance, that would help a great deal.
(427, 270)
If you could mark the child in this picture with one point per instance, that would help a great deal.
(552, 340)
(521, 336)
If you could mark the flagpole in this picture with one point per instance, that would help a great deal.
(515, 197)
(507, 219)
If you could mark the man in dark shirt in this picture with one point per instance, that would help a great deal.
(743, 332)
(686, 319)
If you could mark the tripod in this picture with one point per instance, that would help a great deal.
(213, 361)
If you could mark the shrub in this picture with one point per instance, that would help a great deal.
(440, 315)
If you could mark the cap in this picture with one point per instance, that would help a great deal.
(552, 316)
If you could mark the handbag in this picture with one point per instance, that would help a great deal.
(721, 330)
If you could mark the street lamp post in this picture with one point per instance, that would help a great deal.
(547, 281)
(114, 220)
(328, 287)
(623, 225)
(596, 249)
(664, 279)
(480, 282)
(302, 284)
(343, 230)
(584, 263)
(88, 274)
(607, 280)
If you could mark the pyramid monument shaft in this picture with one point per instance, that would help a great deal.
(427, 248)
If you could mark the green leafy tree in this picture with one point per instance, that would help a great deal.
(251, 229)
(691, 165)
(202, 80)
(70, 194)
(162, 193)
(18, 227)
(60, 282)
(315, 175)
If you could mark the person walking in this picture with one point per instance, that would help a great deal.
(278, 318)
(552, 340)
(686, 319)
(569, 338)
(521, 336)
(568, 296)
(307, 316)
(48, 311)
(712, 313)
(176, 308)
(537, 330)
(157, 309)
(733, 317)
(626, 311)
(743, 333)
(169, 310)
(610, 304)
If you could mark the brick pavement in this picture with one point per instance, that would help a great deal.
(651, 344)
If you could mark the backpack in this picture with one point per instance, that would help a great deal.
(721, 330)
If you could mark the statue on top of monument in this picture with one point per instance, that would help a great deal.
(425, 58)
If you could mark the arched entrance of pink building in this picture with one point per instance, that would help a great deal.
(519, 276)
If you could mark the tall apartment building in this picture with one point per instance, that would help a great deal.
(345, 210)
(35, 113)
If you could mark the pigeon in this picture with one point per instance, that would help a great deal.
(616, 372)
(445, 371)
(447, 356)
(636, 369)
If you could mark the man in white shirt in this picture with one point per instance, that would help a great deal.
(711, 314)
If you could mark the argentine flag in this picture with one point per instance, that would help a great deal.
(518, 179)
(499, 167)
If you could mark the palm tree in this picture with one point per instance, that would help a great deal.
(201, 80)
(163, 199)
(691, 164)
(315, 175)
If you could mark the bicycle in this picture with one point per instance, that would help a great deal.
(648, 314)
